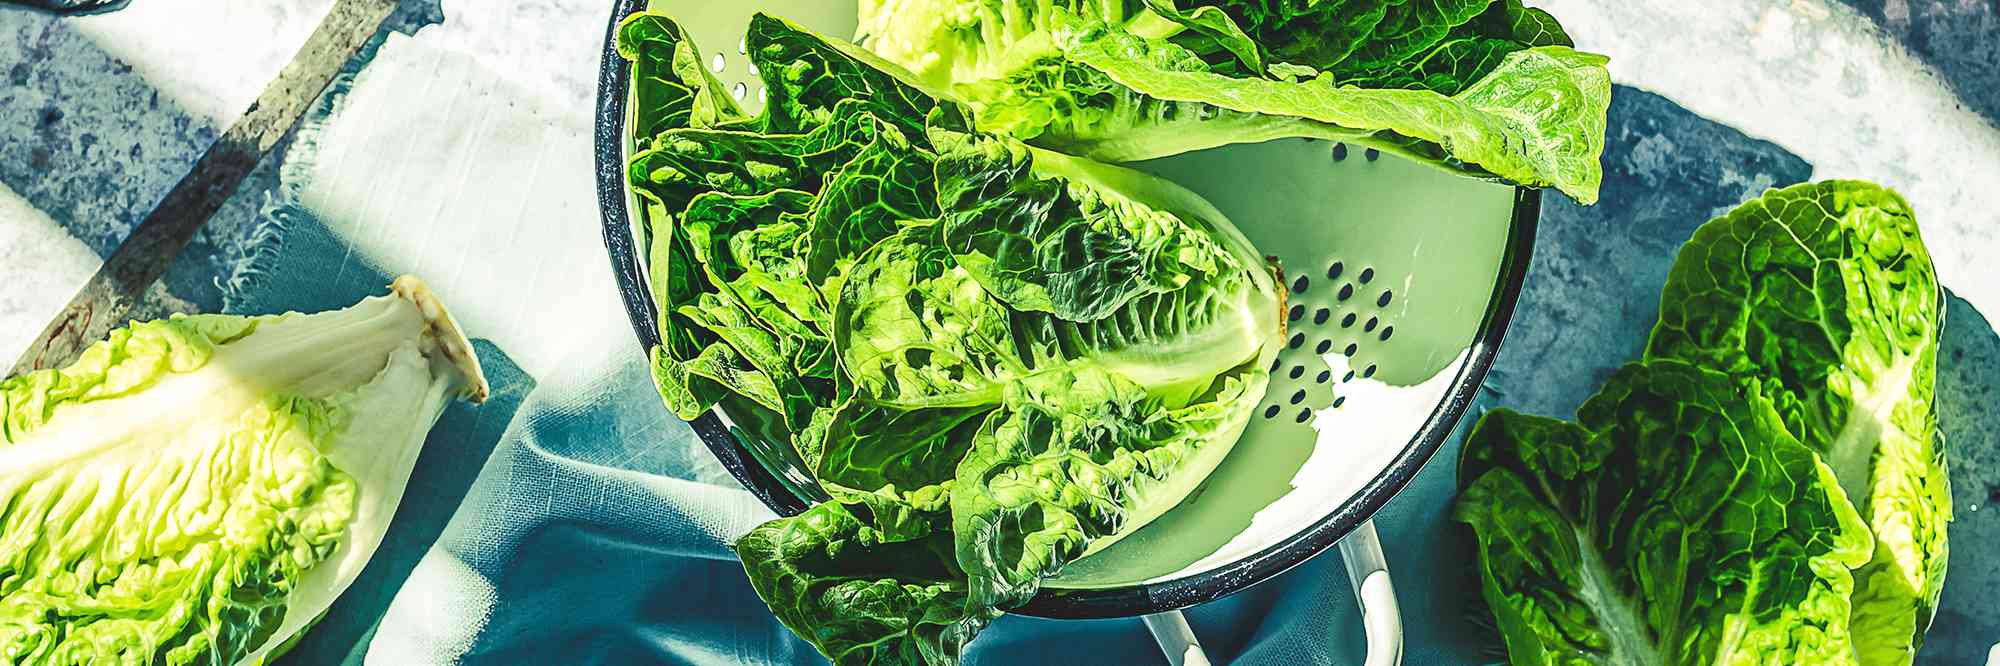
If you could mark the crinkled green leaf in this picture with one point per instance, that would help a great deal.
(886, 186)
(1486, 88)
(808, 78)
(860, 600)
(1536, 119)
(1677, 522)
(1076, 461)
(915, 330)
(672, 88)
(1822, 298)
(869, 446)
(1050, 233)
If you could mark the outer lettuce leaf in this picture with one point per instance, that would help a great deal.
(1816, 306)
(1065, 236)
(1482, 87)
(1537, 119)
(1677, 523)
(780, 204)
(1822, 298)
(674, 90)
(1077, 461)
(861, 599)
(915, 330)
(198, 490)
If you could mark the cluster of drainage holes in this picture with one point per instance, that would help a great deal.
(1320, 316)
(738, 90)
(1340, 153)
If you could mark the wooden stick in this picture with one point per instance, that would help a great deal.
(108, 298)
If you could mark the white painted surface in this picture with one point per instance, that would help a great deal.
(212, 58)
(41, 265)
(501, 180)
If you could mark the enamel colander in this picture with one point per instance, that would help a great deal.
(1402, 279)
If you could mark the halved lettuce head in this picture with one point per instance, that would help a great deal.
(1822, 299)
(200, 489)
(1487, 88)
(1675, 522)
(1802, 326)
(994, 358)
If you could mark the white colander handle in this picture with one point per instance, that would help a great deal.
(1176, 639)
(1368, 573)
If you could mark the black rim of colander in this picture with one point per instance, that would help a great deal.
(1127, 601)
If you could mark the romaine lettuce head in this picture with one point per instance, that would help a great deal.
(198, 490)
(1487, 88)
(974, 343)
(1822, 299)
(1677, 522)
(1043, 261)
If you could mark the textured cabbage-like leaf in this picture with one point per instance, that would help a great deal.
(199, 490)
(753, 221)
(1677, 522)
(1486, 88)
(1074, 238)
(861, 599)
(1822, 298)
(1077, 461)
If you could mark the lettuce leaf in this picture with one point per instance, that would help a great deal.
(1485, 88)
(1816, 308)
(1676, 522)
(1822, 298)
(200, 489)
